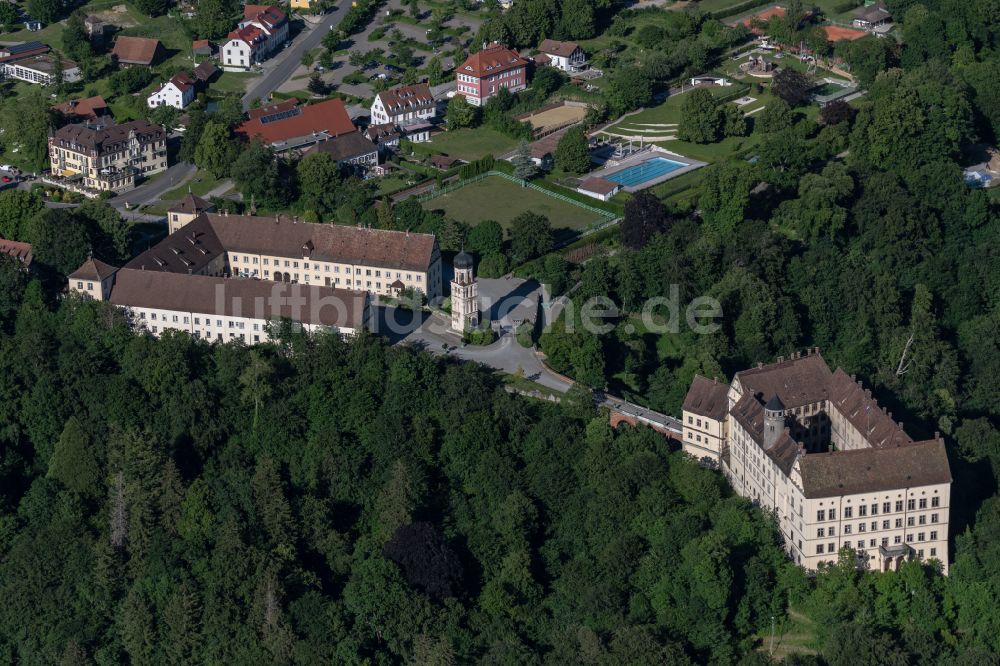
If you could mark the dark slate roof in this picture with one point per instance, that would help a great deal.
(92, 269)
(796, 381)
(774, 404)
(462, 260)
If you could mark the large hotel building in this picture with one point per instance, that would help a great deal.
(814, 447)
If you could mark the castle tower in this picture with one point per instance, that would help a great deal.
(774, 421)
(464, 294)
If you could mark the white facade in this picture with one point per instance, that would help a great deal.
(40, 71)
(170, 94)
(464, 295)
(238, 55)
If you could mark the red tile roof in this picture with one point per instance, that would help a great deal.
(201, 44)
(87, 107)
(92, 269)
(707, 397)
(249, 34)
(268, 15)
(407, 98)
(491, 60)
(288, 120)
(136, 50)
(16, 249)
(561, 49)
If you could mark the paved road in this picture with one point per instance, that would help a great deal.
(176, 175)
(278, 69)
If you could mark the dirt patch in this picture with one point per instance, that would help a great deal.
(555, 117)
(117, 15)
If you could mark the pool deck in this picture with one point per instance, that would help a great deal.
(650, 153)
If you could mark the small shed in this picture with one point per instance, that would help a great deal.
(599, 188)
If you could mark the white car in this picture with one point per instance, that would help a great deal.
(6, 167)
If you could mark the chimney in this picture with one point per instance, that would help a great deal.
(781, 359)
(853, 378)
(937, 435)
(868, 393)
(715, 380)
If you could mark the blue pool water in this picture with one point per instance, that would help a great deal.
(645, 171)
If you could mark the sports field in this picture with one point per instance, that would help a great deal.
(499, 199)
(557, 117)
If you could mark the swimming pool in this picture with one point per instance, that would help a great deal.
(645, 171)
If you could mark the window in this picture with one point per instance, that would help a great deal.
(933, 552)
(831, 548)
(911, 505)
(920, 553)
(153, 316)
(899, 522)
(909, 521)
(821, 532)
(833, 514)
(923, 503)
(197, 321)
(874, 509)
(862, 527)
(899, 505)
(821, 515)
(886, 507)
(920, 536)
(909, 538)
(832, 531)
(186, 320)
(934, 517)
(861, 544)
(863, 510)
(819, 549)
(79, 285)
(885, 524)
(848, 512)
(897, 539)
(933, 536)
(922, 520)
(847, 529)
(935, 501)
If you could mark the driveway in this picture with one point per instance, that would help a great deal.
(151, 191)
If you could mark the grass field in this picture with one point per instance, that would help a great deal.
(202, 183)
(472, 144)
(501, 200)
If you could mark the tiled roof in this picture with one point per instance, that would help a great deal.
(599, 185)
(92, 269)
(707, 397)
(205, 71)
(268, 15)
(282, 122)
(874, 470)
(407, 98)
(346, 146)
(105, 138)
(190, 205)
(201, 46)
(181, 81)
(249, 34)
(864, 413)
(875, 13)
(202, 294)
(136, 50)
(797, 381)
(491, 60)
(383, 132)
(561, 49)
(16, 249)
(196, 244)
(87, 107)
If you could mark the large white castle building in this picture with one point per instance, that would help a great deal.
(814, 447)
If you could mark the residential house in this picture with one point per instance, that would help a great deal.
(386, 136)
(599, 188)
(567, 56)
(84, 109)
(874, 18)
(177, 92)
(201, 47)
(484, 73)
(815, 449)
(353, 150)
(216, 308)
(290, 126)
(106, 157)
(412, 108)
(263, 30)
(284, 249)
(136, 51)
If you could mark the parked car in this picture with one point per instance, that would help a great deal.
(6, 179)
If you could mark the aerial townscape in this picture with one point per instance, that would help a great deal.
(435, 332)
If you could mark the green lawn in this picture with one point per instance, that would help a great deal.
(472, 144)
(232, 82)
(202, 183)
(499, 199)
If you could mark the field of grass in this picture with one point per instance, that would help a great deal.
(231, 82)
(499, 199)
(202, 183)
(472, 144)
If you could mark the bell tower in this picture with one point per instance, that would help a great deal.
(464, 294)
(774, 421)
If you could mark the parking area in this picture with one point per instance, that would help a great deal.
(379, 39)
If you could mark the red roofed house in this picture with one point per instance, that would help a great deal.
(567, 56)
(485, 72)
(263, 30)
(178, 92)
(289, 126)
(411, 107)
(88, 108)
(17, 250)
(131, 51)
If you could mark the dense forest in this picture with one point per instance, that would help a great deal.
(166, 501)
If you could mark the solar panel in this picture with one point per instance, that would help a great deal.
(280, 116)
